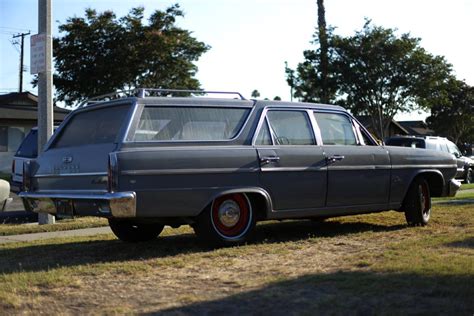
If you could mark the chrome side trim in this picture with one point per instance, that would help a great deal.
(422, 166)
(287, 169)
(185, 171)
(79, 174)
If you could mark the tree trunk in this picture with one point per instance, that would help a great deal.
(323, 42)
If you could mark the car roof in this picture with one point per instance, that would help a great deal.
(204, 101)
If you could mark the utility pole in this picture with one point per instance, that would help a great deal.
(22, 35)
(45, 89)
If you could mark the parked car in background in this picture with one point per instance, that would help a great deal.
(27, 151)
(5, 198)
(465, 169)
(220, 165)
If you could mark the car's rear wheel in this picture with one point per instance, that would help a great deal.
(126, 230)
(417, 203)
(229, 220)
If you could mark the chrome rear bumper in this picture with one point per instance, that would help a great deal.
(453, 187)
(117, 204)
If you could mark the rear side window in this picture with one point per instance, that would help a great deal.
(29, 147)
(336, 129)
(97, 126)
(291, 127)
(190, 123)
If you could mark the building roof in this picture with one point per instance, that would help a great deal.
(24, 106)
(367, 122)
(417, 128)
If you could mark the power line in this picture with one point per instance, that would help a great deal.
(22, 36)
(15, 29)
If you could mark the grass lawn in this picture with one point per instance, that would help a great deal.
(366, 264)
(65, 224)
(467, 186)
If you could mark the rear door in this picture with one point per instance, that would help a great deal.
(358, 174)
(293, 168)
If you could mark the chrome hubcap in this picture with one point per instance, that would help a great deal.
(229, 213)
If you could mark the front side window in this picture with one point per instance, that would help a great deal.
(336, 129)
(290, 127)
(453, 149)
(189, 123)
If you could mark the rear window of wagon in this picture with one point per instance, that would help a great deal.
(96, 126)
(178, 123)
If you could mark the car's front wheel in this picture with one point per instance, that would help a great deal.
(469, 176)
(129, 231)
(417, 203)
(229, 220)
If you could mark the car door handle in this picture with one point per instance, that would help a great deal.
(267, 160)
(333, 159)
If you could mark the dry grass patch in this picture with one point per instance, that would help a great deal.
(359, 264)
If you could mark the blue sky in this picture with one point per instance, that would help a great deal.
(251, 40)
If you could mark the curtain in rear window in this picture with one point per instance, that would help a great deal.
(97, 126)
(190, 123)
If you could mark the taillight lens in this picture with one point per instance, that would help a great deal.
(112, 173)
(26, 176)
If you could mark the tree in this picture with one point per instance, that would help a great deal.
(323, 52)
(376, 73)
(101, 53)
(255, 94)
(454, 117)
(276, 98)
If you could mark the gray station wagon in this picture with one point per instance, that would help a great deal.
(220, 165)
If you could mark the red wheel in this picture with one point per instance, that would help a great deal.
(230, 215)
(229, 220)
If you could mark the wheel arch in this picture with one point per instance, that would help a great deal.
(434, 178)
(260, 200)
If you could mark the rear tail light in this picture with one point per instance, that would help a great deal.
(26, 186)
(112, 173)
(13, 167)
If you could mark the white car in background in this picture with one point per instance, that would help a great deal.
(4, 194)
(28, 150)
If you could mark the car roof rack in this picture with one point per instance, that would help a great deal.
(150, 92)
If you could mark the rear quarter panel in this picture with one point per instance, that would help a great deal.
(181, 181)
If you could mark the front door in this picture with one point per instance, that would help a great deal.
(357, 174)
(293, 167)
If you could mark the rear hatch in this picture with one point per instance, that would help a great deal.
(77, 158)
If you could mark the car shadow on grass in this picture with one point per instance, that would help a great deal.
(46, 255)
(345, 293)
(466, 243)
